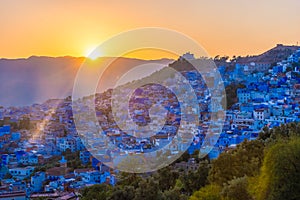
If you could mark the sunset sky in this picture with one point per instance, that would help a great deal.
(224, 27)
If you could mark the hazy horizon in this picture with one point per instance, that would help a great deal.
(131, 55)
(230, 28)
(37, 79)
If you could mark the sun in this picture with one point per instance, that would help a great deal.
(93, 53)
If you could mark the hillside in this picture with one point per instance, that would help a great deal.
(274, 55)
(36, 79)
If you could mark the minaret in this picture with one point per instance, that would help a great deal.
(63, 162)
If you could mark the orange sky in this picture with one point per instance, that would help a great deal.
(66, 27)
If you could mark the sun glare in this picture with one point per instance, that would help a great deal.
(93, 53)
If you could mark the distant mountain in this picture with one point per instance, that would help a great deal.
(36, 79)
(274, 55)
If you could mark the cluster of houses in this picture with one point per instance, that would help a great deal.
(24, 152)
(19, 178)
(269, 96)
(6, 135)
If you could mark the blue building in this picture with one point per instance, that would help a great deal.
(37, 181)
(5, 135)
(243, 95)
(85, 157)
(4, 159)
(16, 136)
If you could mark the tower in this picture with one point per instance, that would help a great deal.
(63, 162)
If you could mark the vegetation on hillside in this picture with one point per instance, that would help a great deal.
(231, 93)
(266, 168)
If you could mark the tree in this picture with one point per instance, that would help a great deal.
(184, 157)
(125, 193)
(24, 123)
(174, 194)
(196, 154)
(280, 173)
(166, 178)
(129, 179)
(282, 132)
(209, 192)
(245, 160)
(148, 190)
(194, 180)
(231, 93)
(265, 133)
(97, 192)
(237, 189)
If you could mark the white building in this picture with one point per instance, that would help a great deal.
(261, 114)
